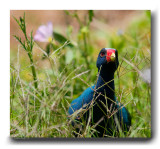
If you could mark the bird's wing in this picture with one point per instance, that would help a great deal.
(84, 99)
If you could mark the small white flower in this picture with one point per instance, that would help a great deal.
(44, 33)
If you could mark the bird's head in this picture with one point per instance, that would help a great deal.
(108, 59)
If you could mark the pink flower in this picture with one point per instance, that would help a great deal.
(44, 33)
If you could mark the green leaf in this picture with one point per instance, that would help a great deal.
(16, 20)
(61, 39)
(20, 41)
(91, 15)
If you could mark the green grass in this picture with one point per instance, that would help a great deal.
(63, 76)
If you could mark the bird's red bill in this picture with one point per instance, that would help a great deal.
(110, 54)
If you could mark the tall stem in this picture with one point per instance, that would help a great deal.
(33, 70)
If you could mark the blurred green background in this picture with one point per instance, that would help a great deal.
(127, 31)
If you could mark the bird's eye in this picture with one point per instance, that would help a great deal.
(102, 54)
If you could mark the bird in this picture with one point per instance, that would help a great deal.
(98, 105)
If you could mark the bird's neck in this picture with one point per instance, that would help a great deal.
(105, 84)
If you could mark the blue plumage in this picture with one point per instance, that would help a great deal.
(124, 116)
(85, 98)
(101, 93)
